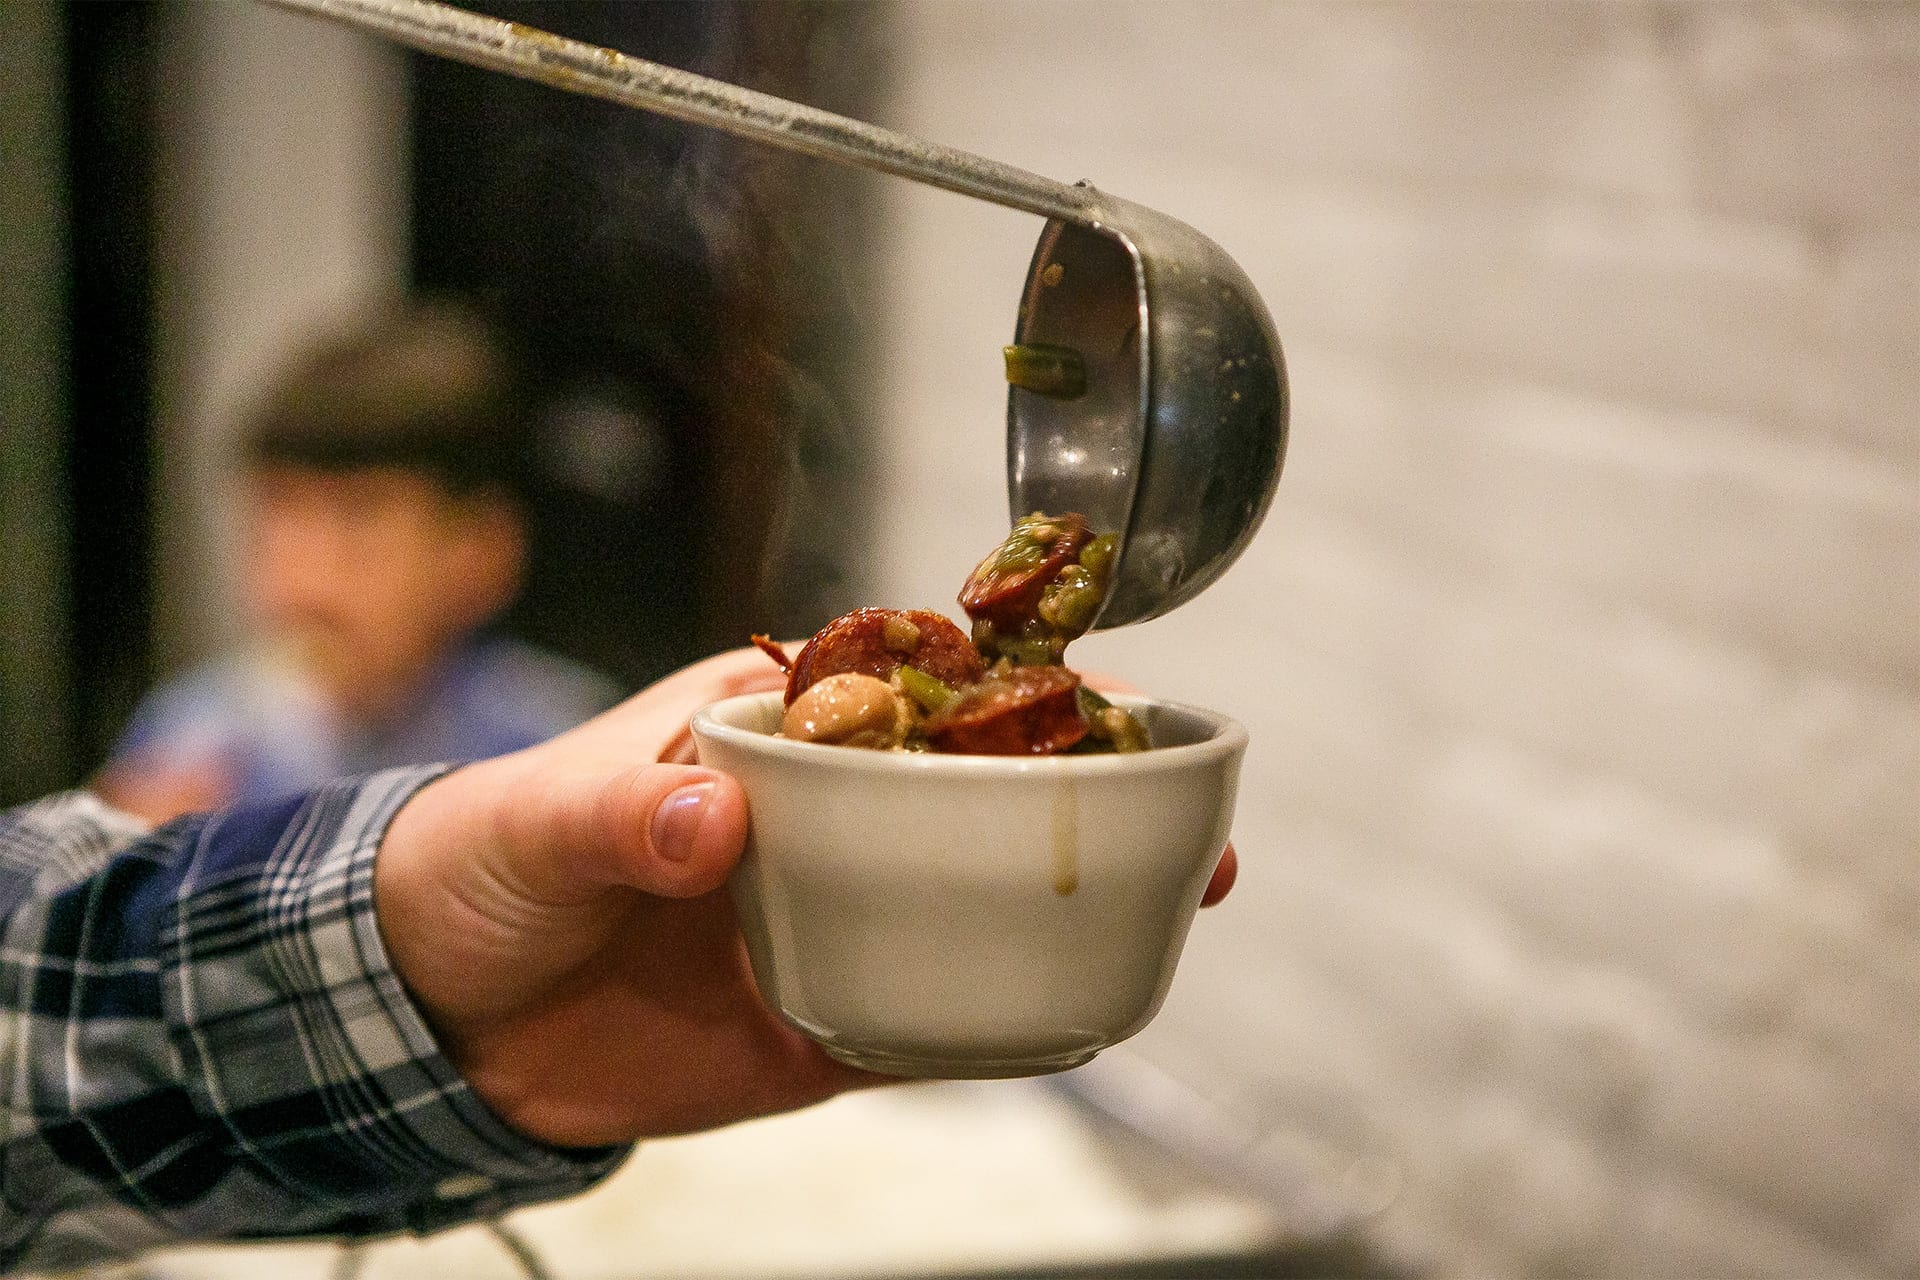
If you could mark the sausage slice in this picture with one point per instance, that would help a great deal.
(1005, 588)
(1025, 711)
(873, 642)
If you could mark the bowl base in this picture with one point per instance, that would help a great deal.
(956, 1068)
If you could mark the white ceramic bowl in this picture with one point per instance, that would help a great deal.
(972, 916)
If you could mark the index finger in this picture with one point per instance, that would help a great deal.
(732, 673)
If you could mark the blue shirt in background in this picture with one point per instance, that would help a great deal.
(256, 717)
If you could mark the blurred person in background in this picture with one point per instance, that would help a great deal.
(382, 535)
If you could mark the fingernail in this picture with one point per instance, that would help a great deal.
(677, 821)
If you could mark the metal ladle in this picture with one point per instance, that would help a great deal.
(1177, 438)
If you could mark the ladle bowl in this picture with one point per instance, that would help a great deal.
(1177, 440)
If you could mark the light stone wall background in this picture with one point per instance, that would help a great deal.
(1581, 829)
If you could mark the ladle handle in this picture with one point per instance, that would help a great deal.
(588, 69)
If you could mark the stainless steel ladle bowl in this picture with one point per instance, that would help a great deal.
(1176, 439)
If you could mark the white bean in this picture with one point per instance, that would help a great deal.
(849, 709)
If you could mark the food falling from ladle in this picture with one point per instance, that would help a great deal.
(1172, 437)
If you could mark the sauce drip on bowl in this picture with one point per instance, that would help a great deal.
(1066, 840)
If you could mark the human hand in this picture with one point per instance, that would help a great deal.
(560, 917)
(156, 787)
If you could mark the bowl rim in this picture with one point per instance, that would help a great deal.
(1228, 737)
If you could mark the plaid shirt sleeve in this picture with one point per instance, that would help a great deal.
(202, 1039)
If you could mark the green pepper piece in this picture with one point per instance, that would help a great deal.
(1115, 728)
(1097, 557)
(1070, 601)
(1059, 373)
(932, 693)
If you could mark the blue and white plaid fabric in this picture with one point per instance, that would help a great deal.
(203, 1039)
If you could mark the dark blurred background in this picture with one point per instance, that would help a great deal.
(661, 290)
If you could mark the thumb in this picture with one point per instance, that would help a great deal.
(671, 830)
(500, 877)
(574, 829)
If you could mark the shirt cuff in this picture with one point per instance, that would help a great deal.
(310, 1048)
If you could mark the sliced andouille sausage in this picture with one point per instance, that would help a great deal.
(1026, 711)
(1005, 588)
(873, 642)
